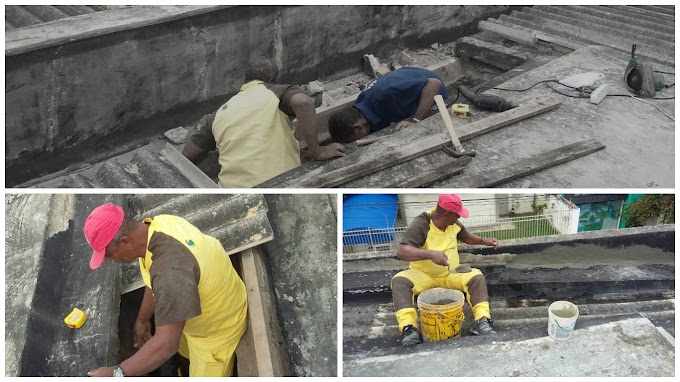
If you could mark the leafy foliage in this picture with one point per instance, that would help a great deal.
(650, 206)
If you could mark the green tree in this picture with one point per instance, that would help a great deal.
(650, 206)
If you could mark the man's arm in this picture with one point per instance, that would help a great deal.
(409, 253)
(303, 108)
(202, 141)
(425, 103)
(469, 238)
(142, 327)
(152, 355)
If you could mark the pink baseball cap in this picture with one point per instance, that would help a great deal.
(100, 228)
(451, 202)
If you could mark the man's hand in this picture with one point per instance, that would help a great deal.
(101, 372)
(439, 258)
(141, 332)
(490, 242)
(402, 125)
(331, 151)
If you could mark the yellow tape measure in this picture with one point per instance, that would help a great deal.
(75, 319)
(460, 110)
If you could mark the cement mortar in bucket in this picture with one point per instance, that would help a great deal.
(562, 317)
(441, 313)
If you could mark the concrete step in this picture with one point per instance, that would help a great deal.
(490, 53)
(383, 314)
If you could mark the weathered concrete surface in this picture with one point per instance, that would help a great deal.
(640, 351)
(302, 263)
(661, 236)
(62, 280)
(26, 220)
(639, 139)
(162, 75)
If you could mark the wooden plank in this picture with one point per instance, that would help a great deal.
(377, 163)
(427, 145)
(440, 173)
(256, 317)
(189, 170)
(532, 164)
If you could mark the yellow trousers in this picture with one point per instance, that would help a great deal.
(205, 363)
(421, 281)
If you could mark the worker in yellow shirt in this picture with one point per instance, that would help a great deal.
(431, 245)
(192, 290)
(253, 131)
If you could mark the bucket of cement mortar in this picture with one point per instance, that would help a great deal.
(441, 313)
(562, 317)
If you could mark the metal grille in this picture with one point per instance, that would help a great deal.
(387, 239)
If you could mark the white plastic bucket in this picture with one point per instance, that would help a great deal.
(562, 317)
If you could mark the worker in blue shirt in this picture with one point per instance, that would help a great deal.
(403, 96)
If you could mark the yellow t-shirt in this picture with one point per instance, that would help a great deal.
(254, 138)
(221, 318)
(423, 234)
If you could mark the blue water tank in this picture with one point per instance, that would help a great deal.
(372, 213)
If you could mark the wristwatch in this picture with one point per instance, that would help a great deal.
(117, 371)
(481, 240)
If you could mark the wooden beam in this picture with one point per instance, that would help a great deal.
(440, 173)
(533, 164)
(189, 170)
(427, 145)
(256, 338)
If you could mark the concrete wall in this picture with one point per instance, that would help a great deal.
(561, 215)
(413, 205)
(302, 262)
(113, 88)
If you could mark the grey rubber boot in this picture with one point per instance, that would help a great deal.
(481, 328)
(410, 336)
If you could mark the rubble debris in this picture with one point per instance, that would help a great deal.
(371, 65)
(404, 58)
(177, 135)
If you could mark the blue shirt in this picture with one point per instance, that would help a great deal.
(394, 96)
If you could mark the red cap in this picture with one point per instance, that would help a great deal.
(100, 228)
(451, 202)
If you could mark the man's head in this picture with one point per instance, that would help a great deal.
(347, 125)
(110, 234)
(262, 69)
(450, 209)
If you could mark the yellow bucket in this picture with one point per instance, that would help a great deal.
(441, 313)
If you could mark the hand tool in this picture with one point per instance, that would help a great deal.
(486, 101)
(458, 150)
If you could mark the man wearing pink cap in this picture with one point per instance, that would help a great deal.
(431, 245)
(193, 292)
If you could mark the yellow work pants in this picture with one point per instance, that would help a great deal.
(422, 282)
(206, 363)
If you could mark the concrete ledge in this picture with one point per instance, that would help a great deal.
(661, 236)
(91, 25)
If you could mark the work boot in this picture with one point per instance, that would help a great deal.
(481, 328)
(410, 336)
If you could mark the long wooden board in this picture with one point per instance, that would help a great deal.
(259, 341)
(533, 164)
(428, 177)
(427, 145)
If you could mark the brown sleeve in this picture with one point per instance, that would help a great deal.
(174, 280)
(463, 232)
(284, 93)
(203, 137)
(416, 233)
